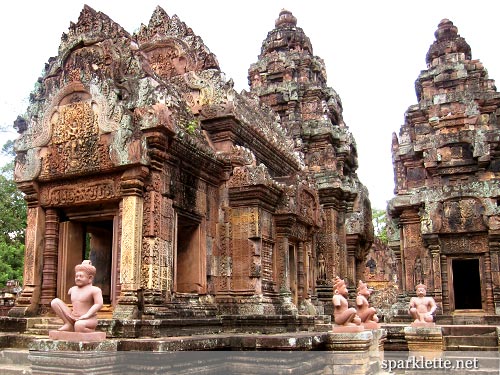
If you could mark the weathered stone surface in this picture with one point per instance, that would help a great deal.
(445, 166)
(194, 200)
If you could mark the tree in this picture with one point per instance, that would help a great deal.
(379, 218)
(12, 220)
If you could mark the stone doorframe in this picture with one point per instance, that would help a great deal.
(451, 287)
(71, 243)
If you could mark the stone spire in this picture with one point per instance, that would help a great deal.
(446, 167)
(286, 36)
(448, 42)
(286, 18)
(292, 81)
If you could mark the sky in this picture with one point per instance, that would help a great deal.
(373, 52)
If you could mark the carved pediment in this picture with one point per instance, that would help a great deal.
(171, 48)
(92, 27)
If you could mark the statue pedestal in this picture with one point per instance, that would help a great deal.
(351, 352)
(370, 325)
(425, 338)
(77, 336)
(347, 329)
(76, 358)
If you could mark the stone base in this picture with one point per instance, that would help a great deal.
(424, 338)
(423, 324)
(347, 329)
(77, 336)
(350, 352)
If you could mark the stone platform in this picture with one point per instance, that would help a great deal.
(295, 352)
(236, 352)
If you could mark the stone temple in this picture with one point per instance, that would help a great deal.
(445, 215)
(219, 220)
(191, 199)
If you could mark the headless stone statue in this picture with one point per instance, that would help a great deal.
(367, 314)
(422, 308)
(343, 314)
(85, 298)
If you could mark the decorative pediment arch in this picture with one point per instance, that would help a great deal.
(171, 48)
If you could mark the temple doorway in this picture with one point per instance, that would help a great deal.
(188, 260)
(466, 284)
(88, 236)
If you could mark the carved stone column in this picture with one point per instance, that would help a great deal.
(301, 287)
(445, 283)
(49, 273)
(487, 280)
(27, 302)
(283, 270)
(131, 244)
(352, 247)
(494, 246)
(282, 265)
(435, 251)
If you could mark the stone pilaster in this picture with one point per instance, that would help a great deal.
(301, 278)
(488, 284)
(27, 302)
(437, 287)
(131, 245)
(494, 245)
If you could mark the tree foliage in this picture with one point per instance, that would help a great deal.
(12, 220)
(379, 218)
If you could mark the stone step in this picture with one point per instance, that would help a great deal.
(15, 370)
(14, 362)
(46, 326)
(471, 341)
(37, 332)
(469, 330)
(14, 356)
(18, 340)
(472, 348)
(486, 363)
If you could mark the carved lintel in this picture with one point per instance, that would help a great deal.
(264, 196)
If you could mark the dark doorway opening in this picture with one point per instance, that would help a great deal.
(466, 284)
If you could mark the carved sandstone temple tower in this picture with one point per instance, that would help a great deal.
(190, 199)
(446, 167)
(292, 81)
